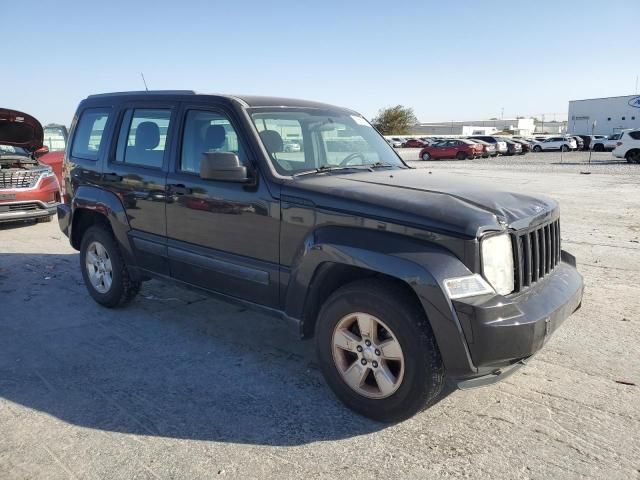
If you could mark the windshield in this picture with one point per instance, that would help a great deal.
(304, 139)
(54, 138)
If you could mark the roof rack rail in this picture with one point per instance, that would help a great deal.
(144, 92)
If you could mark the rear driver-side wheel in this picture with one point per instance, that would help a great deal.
(633, 156)
(537, 148)
(103, 269)
(426, 157)
(461, 155)
(377, 352)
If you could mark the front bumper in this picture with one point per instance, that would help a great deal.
(502, 332)
(30, 203)
(13, 211)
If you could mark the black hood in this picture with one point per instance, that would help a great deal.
(442, 202)
(20, 130)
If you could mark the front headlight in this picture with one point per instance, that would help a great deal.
(497, 263)
(48, 172)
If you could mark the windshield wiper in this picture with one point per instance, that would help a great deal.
(331, 168)
(381, 165)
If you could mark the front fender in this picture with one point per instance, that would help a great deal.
(421, 265)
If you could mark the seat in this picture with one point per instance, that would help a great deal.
(272, 140)
(214, 138)
(147, 138)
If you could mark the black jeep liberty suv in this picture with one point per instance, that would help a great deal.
(407, 279)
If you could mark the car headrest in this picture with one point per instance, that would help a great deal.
(214, 137)
(147, 136)
(272, 140)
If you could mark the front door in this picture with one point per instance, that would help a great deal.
(222, 236)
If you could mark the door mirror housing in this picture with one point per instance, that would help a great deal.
(223, 166)
(41, 151)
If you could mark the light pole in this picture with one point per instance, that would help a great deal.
(593, 127)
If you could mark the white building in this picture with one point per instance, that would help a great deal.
(518, 126)
(611, 114)
(553, 127)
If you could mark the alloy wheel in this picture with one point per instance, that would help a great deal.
(99, 268)
(368, 355)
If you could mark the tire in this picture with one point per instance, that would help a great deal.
(633, 156)
(537, 149)
(46, 219)
(461, 156)
(420, 378)
(564, 148)
(426, 157)
(122, 289)
(598, 147)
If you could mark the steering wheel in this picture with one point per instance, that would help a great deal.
(350, 157)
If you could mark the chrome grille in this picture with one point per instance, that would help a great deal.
(20, 179)
(536, 253)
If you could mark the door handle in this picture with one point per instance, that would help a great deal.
(112, 177)
(179, 189)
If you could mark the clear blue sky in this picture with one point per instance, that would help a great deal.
(448, 60)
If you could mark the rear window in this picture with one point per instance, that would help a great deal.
(89, 133)
(54, 139)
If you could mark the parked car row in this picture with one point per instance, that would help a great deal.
(473, 147)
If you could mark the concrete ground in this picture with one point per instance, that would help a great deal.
(179, 385)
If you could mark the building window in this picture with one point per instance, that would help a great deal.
(623, 118)
(633, 118)
(608, 119)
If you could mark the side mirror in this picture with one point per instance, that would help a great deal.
(41, 151)
(223, 166)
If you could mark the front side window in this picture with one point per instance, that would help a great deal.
(207, 132)
(143, 137)
(89, 133)
(303, 139)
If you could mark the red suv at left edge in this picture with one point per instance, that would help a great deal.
(29, 186)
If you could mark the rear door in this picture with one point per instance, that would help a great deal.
(449, 149)
(136, 172)
(222, 236)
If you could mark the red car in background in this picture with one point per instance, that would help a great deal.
(29, 186)
(414, 143)
(457, 148)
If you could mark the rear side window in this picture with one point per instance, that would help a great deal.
(143, 137)
(635, 135)
(89, 133)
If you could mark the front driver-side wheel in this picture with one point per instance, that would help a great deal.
(461, 156)
(377, 352)
(103, 269)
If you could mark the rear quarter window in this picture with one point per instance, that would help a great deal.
(89, 133)
(635, 135)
